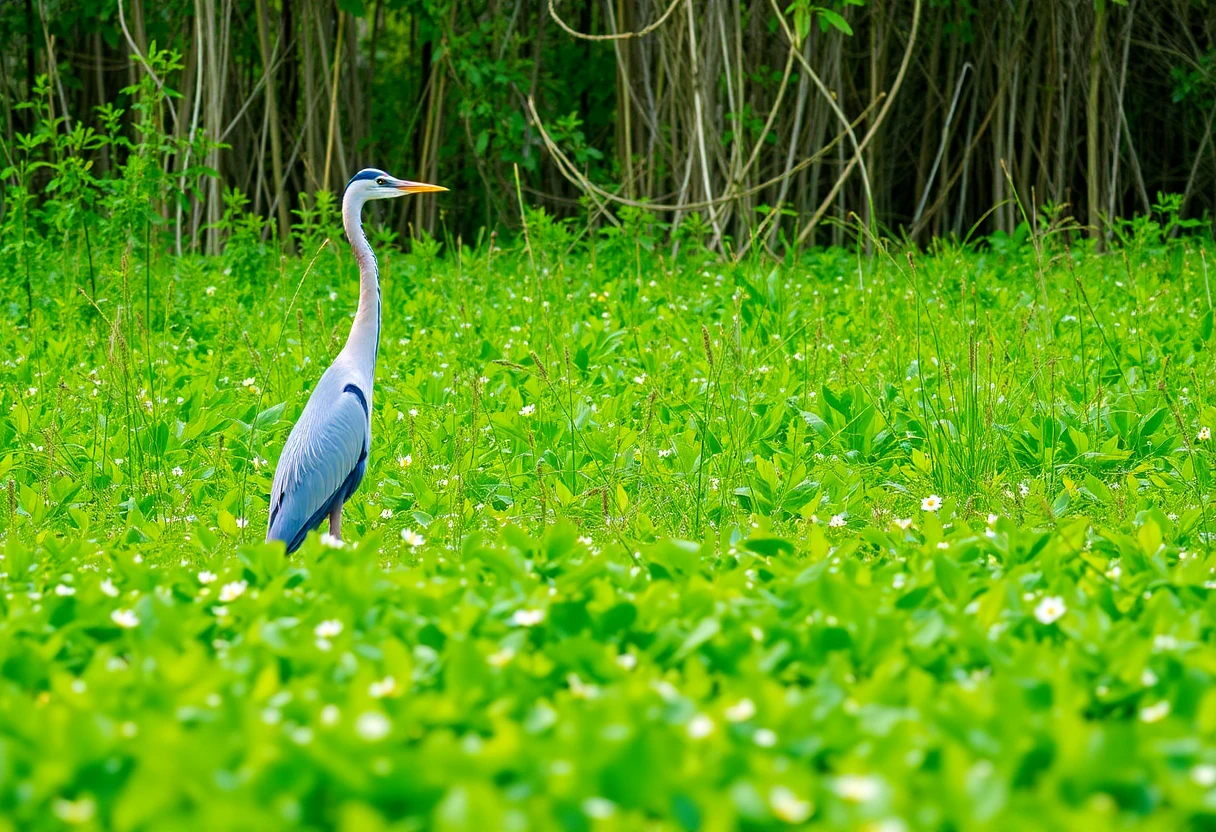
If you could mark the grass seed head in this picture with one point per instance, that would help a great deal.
(540, 367)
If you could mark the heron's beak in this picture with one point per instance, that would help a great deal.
(418, 187)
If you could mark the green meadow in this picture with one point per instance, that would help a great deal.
(648, 540)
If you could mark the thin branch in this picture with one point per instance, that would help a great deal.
(622, 36)
(899, 79)
(941, 148)
(572, 174)
(160, 85)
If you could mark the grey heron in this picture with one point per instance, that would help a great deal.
(325, 457)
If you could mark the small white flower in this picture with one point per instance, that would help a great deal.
(75, 812)
(598, 807)
(232, 591)
(330, 715)
(177, 471)
(788, 806)
(501, 658)
(333, 296)
(331, 542)
(385, 687)
(412, 538)
(206, 577)
(1148, 678)
(1205, 433)
(413, 411)
(1204, 775)
(527, 410)
(992, 518)
(931, 503)
(764, 738)
(405, 461)
(328, 629)
(386, 513)
(210, 290)
(838, 521)
(125, 618)
(63, 590)
(627, 661)
(33, 391)
(249, 382)
(1024, 489)
(528, 618)
(372, 726)
(1050, 609)
(242, 522)
(903, 523)
(107, 587)
(741, 711)
(1155, 713)
(700, 727)
(857, 788)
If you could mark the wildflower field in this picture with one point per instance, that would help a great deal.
(647, 541)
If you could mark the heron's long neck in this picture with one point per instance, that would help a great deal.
(364, 340)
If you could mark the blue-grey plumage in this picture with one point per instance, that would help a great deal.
(325, 456)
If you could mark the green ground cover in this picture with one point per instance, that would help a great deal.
(645, 541)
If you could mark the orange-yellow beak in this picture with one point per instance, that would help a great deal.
(418, 187)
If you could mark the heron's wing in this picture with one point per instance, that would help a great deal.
(322, 462)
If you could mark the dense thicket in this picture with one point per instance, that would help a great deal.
(713, 111)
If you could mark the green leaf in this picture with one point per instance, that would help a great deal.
(769, 546)
(1097, 488)
(834, 20)
(1149, 536)
(269, 416)
(912, 599)
(706, 629)
(949, 577)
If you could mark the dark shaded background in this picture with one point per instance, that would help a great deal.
(1096, 106)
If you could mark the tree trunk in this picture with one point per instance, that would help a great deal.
(270, 91)
(1093, 173)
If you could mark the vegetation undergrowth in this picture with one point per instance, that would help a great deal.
(911, 541)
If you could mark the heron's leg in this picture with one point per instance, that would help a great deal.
(335, 522)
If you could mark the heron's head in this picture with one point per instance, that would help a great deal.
(372, 183)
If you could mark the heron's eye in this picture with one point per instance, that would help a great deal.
(380, 181)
